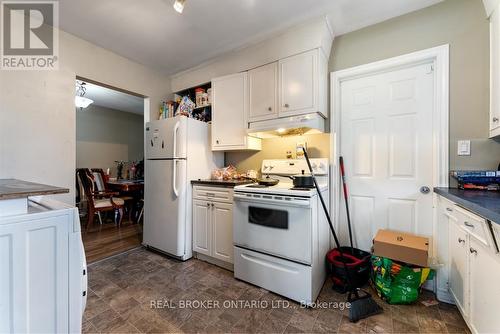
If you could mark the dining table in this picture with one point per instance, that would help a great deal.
(132, 188)
(126, 185)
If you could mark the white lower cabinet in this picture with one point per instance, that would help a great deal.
(484, 268)
(213, 223)
(42, 271)
(222, 225)
(201, 226)
(458, 265)
(473, 264)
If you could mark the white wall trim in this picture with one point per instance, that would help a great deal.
(439, 57)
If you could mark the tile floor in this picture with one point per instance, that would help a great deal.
(122, 288)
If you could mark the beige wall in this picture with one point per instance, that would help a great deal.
(463, 25)
(275, 148)
(37, 111)
(104, 136)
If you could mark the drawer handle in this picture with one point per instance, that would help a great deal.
(210, 194)
(460, 240)
(449, 209)
(469, 224)
(473, 251)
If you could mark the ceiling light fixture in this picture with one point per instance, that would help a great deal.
(281, 130)
(80, 100)
(179, 6)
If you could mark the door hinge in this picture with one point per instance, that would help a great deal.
(431, 69)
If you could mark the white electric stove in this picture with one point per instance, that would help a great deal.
(281, 235)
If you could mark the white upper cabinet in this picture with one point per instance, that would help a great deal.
(495, 72)
(302, 84)
(490, 6)
(229, 114)
(263, 92)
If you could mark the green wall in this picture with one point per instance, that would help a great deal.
(463, 25)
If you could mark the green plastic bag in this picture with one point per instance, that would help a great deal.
(398, 283)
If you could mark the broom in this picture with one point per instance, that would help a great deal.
(362, 303)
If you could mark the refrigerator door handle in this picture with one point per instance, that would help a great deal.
(176, 129)
(174, 179)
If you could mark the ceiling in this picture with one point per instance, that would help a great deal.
(150, 32)
(110, 98)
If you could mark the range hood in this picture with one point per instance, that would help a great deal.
(287, 126)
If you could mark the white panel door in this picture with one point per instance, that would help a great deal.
(495, 72)
(263, 92)
(386, 140)
(222, 225)
(298, 84)
(229, 111)
(202, 231)
(484, 288)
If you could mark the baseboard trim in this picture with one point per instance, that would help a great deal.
(211, 260)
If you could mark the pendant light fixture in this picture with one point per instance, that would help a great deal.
(81, 101)
(179, 6)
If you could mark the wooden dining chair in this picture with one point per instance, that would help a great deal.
(99, 201)
(102, 185)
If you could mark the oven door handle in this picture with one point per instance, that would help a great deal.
(298, 202)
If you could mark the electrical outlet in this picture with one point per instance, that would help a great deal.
(298, 149)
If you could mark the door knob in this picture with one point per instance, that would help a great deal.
(425, 190)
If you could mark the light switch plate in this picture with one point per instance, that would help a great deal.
(463, 147)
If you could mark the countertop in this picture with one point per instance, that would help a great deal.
(484, 203)
(13, 189)
(222, 183)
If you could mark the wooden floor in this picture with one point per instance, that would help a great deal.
(107, 240)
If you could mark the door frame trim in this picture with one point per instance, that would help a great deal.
(439, 57)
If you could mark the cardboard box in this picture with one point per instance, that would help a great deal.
(402, 247)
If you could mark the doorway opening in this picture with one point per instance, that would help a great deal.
(109, 167)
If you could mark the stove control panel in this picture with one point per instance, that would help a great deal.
(293, 167)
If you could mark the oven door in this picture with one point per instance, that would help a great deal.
(275, 225)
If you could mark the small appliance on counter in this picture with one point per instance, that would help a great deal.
(477, 180)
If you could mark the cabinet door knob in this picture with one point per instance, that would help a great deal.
(449, 209)
(217, 141)
(473, 251)
(270, 109)
(287, 105)
(208, 205)
(213, 205)
(460, 240)
(495, 119)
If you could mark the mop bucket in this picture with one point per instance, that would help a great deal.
(358, 264)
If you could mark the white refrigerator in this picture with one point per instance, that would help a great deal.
(177, 151)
